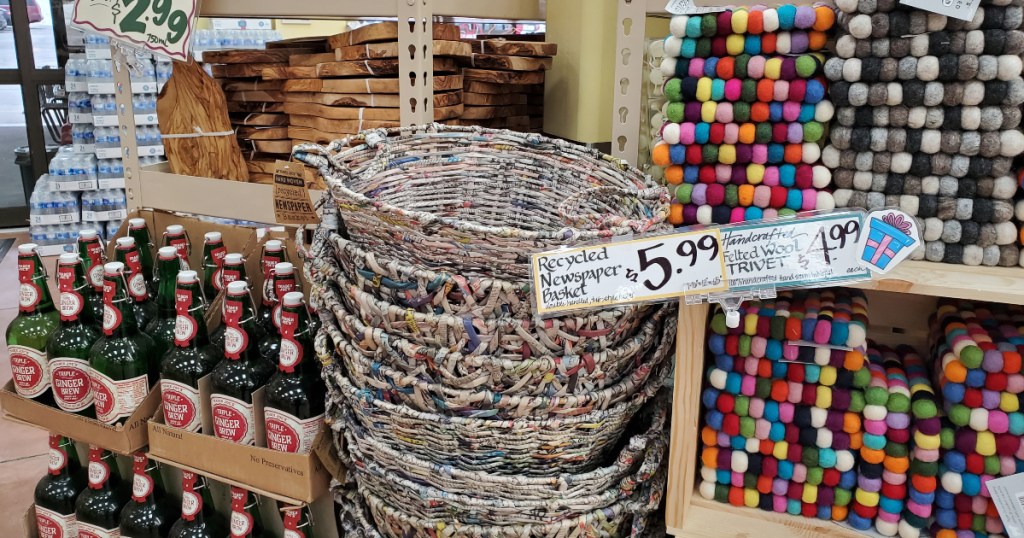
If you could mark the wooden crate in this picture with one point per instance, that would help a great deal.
(898, 308)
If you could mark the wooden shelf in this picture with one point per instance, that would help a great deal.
(996, 284)
(352, 9)
(710, 519)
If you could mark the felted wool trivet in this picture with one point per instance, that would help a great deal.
(754, 21)
(743, 66)
(945, 68)
(747, 90)
(762, 357)
(774, 421)
(715, 196)
(746, 133)
(926, 427)
(976, 332)
(764, 484)
(778, 390)
(991, 256)
(801, 176)
(774, 112)
(729, 464)
(834, 315)
(968, 118)
(1008, 143)
(947, 218)
(978, 190)
(870, 7)
(809, 456)
(794, 42)
(902, 23)
(789, 502)
(920, 93)
(958, 166)
(742, 154)
(976, 42)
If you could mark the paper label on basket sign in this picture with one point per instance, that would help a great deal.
(181, 405)
(233, 419)
(72, 388)
(50, 524)
(291, 195)
(286, 433)
(29, 369)
(659, 267)
(958, 9)
(1008, 495)
(115, 400)
(687, 7)
(85, 530)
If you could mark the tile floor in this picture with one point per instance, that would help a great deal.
(23, 449)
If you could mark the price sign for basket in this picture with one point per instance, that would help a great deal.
(794, 253)
(633, 271)
(160, 26)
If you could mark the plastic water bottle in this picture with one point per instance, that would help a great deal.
(116, 168)
(164, 69)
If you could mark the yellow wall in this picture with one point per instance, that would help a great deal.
(291, 30)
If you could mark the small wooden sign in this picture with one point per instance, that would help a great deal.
(292, 204)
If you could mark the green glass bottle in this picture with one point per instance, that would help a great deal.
(284, 283)
(298, 522)
(161, 329)
(138, 230)
(191, 358)
(28, 333)
(241, 372)
(127, 252)
(232, 271)
(295, 395)
(98, 507)
(93, 256)
(56, 492)
(150, 512)
(68, 347)
(176, 236)
(122, 366)
(213, 262)
(246, 521)
(273, 254)
(198, 518)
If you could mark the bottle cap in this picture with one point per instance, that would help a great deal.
(88, 234)
(187, 277)
(167, 253)
(284, 268)
(136, 223)
(68, 257)
(175, 229)
(125, 242)
(27, 248)
(113, 268)
(273, 246)
(293, 298)
(238, 287)
(212, 237)
(233, 258)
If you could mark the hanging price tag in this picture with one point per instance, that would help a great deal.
(629, 272)
(160, 26)
(291, 196)
(1008, 495)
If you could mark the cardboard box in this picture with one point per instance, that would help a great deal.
(291, 478)
(125, 439)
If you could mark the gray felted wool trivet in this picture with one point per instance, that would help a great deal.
(970, 212)
(915, 93)
(968, 118)
(920, 165)
(1006, 256)
(945, 68)
(928, 141)
(976, 42)
(883, 6)
(903, 23)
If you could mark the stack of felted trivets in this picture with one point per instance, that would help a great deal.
(882, 475)
(927, 120)
(922, 477)
(747, 114)
(783, 404)
(455, 407)
(978, 369)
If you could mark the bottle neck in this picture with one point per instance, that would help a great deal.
(63, 457)
(118, 315)
(166, 276)
(102, 468)
(73, 287)
(92, 255)
(239, 318)
(195, 499)
(147, 484)
(268, 263)
(134, 274)
(295, 339)
(34, 293)
(232, 273)
(141, 236)
(181, 243)
(245, 513)
(297, 522)
(213, 254)
(190, 322)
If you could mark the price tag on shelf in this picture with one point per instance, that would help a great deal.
(48, 220)
(108, 153)
(107, 120)
(112, 183)
(793, 253)
(76, 86)
(96, 216)
(164, 27)
(1008, 495)
(151, 151)
(84, 148)
(74, 186)
(97, 53)
(958, 9)
(78, 118)
(146, 119)
(633, 271)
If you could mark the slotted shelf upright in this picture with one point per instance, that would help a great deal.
(157, 188)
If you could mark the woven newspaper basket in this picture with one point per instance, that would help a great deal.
(428, 492)
(572, 443)
(480, 201)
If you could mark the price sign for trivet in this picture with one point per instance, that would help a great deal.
(160, 26)
(958, 9)
(659, 267)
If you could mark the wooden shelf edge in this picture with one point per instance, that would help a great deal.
(996, 284)
(351, 9)
(710, 519)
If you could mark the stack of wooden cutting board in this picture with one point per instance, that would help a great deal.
(256, 106)
(355, 86)
(504, 83)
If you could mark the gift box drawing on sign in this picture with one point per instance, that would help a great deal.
(891, 237)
